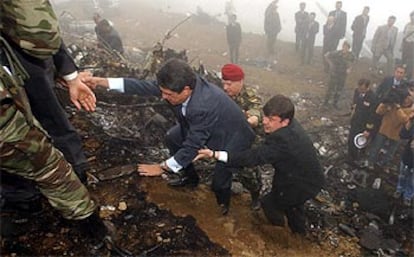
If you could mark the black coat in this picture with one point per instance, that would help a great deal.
(340, 23)
(364, 113)
(212, 119)
(386, 85)
(234, 34)
(359, 26)
(298, 173)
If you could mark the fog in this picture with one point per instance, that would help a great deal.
(250, 13)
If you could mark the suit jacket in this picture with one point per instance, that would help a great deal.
(311, 31)
(234, 34)
(363, 117)
(340, 22)
(381, 42)
(272, 25)
(63, 62)
(329, 36)
(359, 26)
(386, 85)
(212, 119)
(298, 175)
(301, 20)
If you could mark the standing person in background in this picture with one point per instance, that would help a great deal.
(301, 23)
(340, 23)
(329, 35)
(407, 47)
(234, 36)
(383, 43)
(359, 27)
(339, 67)
(229, 10)
(272, 26)
(312, 29)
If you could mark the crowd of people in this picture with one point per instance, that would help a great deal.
(334, 30)
(227, 124)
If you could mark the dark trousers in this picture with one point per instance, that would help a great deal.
(276, 207)
(271, 41)
(335, 86)
(307, 52)
(47, 109)
(222, 177)
(234, 53)
(357, 42)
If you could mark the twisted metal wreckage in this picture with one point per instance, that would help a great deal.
(383, 226)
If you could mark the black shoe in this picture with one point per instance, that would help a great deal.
(27, 207)
(181, 180)
(224, 209)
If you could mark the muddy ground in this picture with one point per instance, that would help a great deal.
(186, 222)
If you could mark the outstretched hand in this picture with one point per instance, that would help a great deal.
(149, 170)
(80, 94)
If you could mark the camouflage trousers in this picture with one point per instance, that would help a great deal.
(335, 85)
(26, 150)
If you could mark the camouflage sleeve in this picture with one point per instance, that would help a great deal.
(254, 103)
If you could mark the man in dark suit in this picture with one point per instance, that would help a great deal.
(206, 117)
(359, 27)
(301, 20)
(289, 149)
(312, 29)
(396, 81)
(340, 22)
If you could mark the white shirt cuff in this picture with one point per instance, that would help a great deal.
(173, 164)
(71, 76)
(116, 84)
(223, 156)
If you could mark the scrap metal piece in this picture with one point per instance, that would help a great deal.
(116, 172)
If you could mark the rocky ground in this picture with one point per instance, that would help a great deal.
(348, 219)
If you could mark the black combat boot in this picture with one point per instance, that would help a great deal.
(255, 205)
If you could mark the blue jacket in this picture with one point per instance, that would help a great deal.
(212, 119)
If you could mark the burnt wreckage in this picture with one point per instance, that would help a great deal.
(346, 207)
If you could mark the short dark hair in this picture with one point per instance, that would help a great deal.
(364, 81)
(392, 17)
(176, 74)
(281, 106)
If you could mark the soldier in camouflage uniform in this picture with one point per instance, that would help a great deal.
(31, 28)
(245, 97)
(26, 151)
(339, 66)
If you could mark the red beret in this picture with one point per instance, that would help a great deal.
(232, 72)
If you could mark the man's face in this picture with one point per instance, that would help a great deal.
(365, 11)
(362, 89)
(232, 88)
(399, 73)
(302, 6)
(338, 5)
(273, 123)
(175, 98)
(391, 22)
